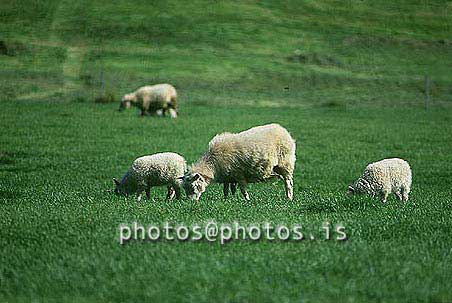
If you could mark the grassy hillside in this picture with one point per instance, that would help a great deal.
(353, 52)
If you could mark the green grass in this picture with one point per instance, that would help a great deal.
(355, 77)
(353, 48)
(59, 225)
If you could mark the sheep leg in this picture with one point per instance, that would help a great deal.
(173, 113)
(287, 176)
(384, 196)
(245, 194)
(178, 191)
(405, 194)
(145, 112)
(233, 188)
(288, 182)
(172, 105)
(280, 172)
(148, 191)
(399, 195)
(225, 189)
(171, 192)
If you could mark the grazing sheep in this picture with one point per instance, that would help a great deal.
(383, 178)
(154, 170)
(253, 155)
(156, 99)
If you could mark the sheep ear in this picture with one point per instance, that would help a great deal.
(351, 189)
(116, 181)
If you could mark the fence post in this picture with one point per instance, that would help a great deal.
(102, 79)
(427, 91)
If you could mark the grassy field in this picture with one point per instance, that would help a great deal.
(59, 226)
(355, 76)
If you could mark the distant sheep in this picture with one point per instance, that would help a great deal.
(383, 178)
(154, 170)
(253, 155)
(156, 99)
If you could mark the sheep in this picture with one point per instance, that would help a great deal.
(254, 155)
(383, 178)
(155, 99)
(154, 170)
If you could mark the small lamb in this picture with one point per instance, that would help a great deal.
(383, 178)
(154, 170)
(254, 155)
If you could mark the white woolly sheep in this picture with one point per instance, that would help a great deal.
(154, 170)
(155, 99)
(383, 178)
(253, 155)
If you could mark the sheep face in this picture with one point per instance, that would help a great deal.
(194, 185)
(351, 190)
(361, 186)
(121, 188)
(126, 102)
